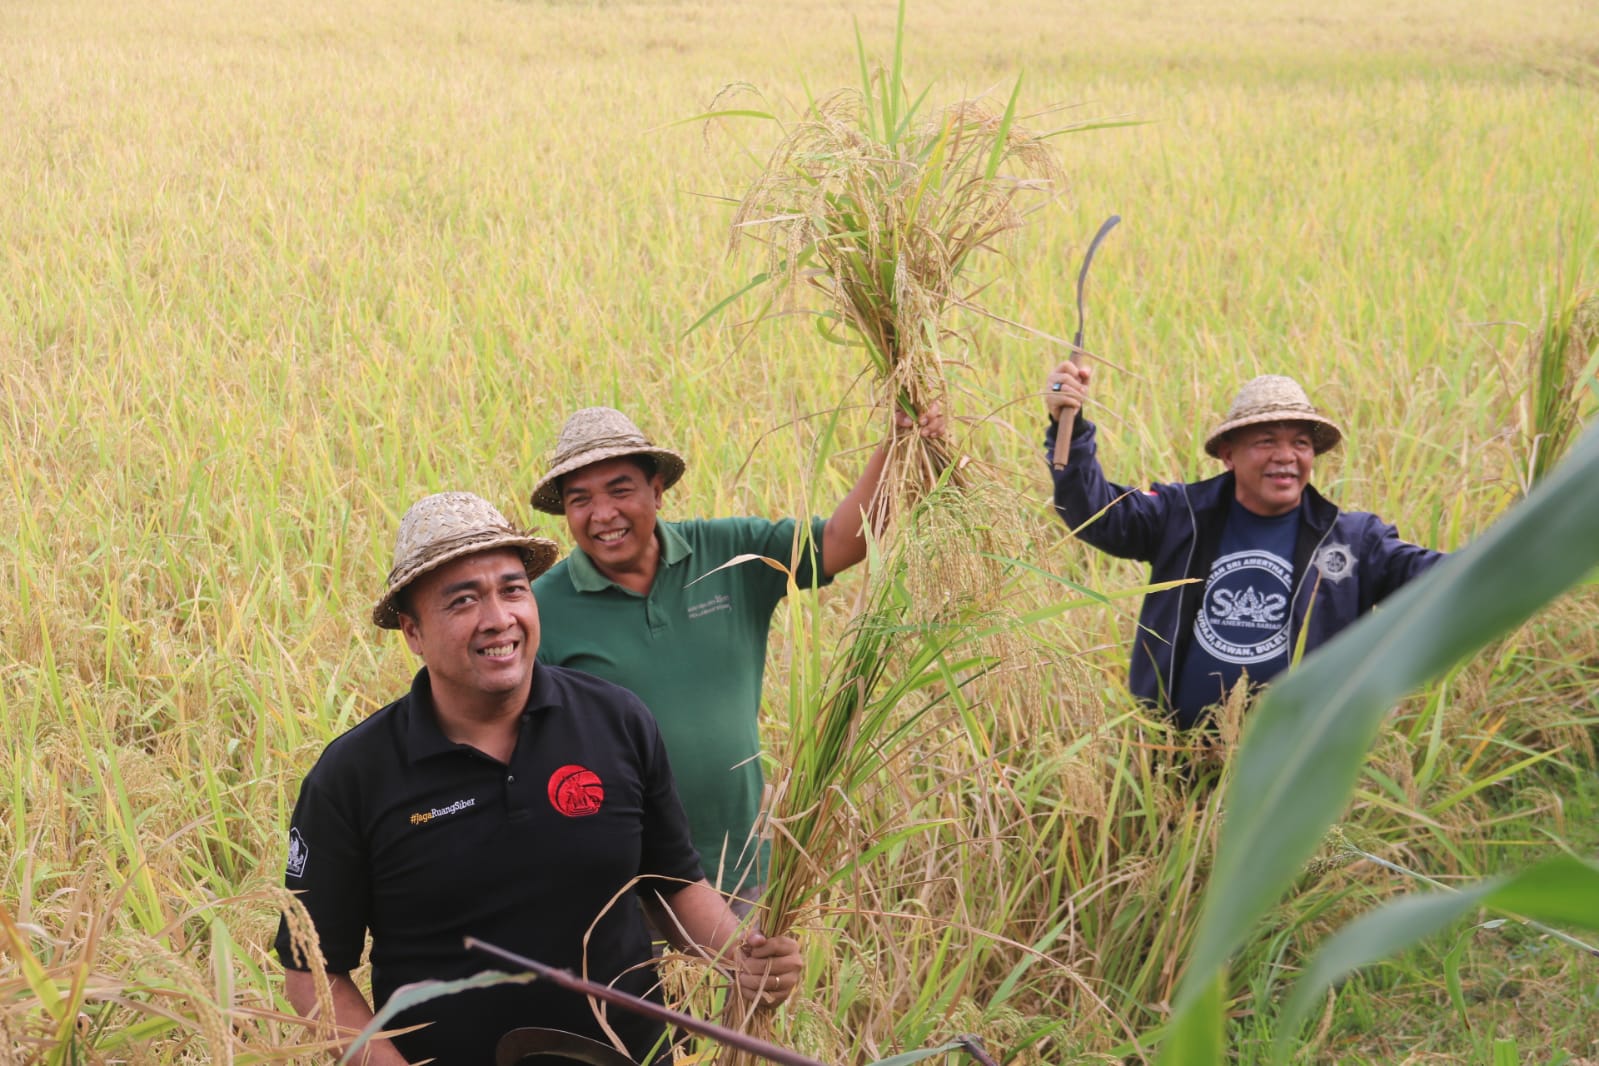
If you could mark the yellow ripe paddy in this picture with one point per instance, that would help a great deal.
(271, 272)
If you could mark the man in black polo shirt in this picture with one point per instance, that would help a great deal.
(501, 801)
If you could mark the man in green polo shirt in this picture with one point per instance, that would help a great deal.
(637, 604)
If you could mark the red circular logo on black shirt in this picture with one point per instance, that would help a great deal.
(576, 791)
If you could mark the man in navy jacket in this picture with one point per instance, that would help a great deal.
(1271, 561)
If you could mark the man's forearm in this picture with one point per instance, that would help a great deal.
(843, 544)
(764, 970)
(695, 917)
(351, 1012)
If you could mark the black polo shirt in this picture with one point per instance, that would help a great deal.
(421, 841)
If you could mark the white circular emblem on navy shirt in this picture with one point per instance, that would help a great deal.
(1244, 616)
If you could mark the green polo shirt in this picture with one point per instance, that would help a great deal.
(694, 650)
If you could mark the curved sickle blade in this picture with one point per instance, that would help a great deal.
(1082, 276)
(1064, 432)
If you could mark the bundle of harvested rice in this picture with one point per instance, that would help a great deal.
(880, 208)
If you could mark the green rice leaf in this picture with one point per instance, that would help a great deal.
(912, 109)
(732, 112)
(996, 154)
(1457, 994)
(1110, 124)
(413, 995)
(896, 79)
(920, 1056)
(868, 114)
(33, 971)
(754, 283)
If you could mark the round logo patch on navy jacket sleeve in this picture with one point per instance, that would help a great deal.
(1336, 562)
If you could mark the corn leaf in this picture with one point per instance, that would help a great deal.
(1563, 889)
(1194, 1037)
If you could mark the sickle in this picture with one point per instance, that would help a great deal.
(1082, 276)
(528, 1046)
(1063, 435)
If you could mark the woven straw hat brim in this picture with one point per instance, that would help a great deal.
(1324, 432)
(547, 493)
(538, 554)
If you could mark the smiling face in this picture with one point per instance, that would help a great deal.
(1271, 463)
(610, 510)
(475, 624)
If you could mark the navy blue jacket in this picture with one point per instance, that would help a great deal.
(1345, 562)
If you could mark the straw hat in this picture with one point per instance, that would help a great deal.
(593, 435)
(1274, 398)
(447, 526)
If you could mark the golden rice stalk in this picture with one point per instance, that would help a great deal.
(880, 209)
(1560, 358)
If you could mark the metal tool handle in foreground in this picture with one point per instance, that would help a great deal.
(538, 1038)
(572, 982)
(1063, 435)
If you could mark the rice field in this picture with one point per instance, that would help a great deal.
(271, 273)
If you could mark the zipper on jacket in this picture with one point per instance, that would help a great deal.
(1182, 592)
(1300, 583)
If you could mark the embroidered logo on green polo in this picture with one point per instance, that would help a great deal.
(719, 602)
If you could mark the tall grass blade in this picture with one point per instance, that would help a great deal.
(1457, 992)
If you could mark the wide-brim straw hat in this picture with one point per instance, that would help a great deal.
(594, 435)
(447, 526)
(1275, 398)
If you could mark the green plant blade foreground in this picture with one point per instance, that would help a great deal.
(1196, 1034)
(1563, 890)
(408, 996)
(1306, 741)
(918, 1056)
